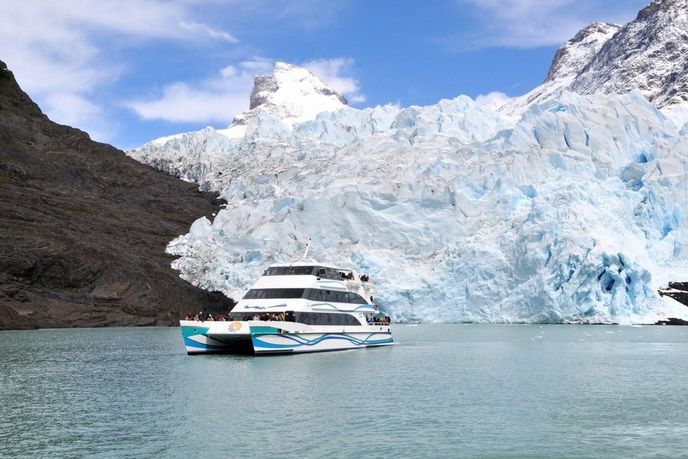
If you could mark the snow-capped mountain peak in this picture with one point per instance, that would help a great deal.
(291, 94)
(575, 54)
(294, 85)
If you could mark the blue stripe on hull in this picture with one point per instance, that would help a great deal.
(299, 341)
(188, 342)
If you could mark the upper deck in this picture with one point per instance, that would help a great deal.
(307, 284)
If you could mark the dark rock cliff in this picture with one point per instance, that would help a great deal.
(83, 228)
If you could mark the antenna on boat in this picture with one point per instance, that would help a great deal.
(308, 246)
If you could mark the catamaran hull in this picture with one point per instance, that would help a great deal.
(317, 342)
(198, 340)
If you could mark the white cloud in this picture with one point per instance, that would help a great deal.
(210, 32)
(493, 100)
(59, 50)
(216, 99)
(533, 23)
(335, 73)
(265, 15)
(74, 110)
(67, 54)
(226, 94)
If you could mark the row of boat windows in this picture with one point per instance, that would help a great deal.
(330, 296)
(308, 318)
(320, 271)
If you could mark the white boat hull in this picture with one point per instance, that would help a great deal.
(256, 337)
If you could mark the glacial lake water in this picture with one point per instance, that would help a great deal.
(441, 391)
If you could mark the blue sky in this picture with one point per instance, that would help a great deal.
(130, 71)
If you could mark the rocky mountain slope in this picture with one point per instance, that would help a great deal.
(83, 228)
(649, 54)
(568, 62)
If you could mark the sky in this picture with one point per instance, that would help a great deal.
(129, 71)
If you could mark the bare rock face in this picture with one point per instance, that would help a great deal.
(263, 87)
(84, 228)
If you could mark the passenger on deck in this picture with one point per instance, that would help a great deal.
(210, 318)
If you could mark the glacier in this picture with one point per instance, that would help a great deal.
(572, 213)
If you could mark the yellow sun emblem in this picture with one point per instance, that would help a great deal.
(234, 326)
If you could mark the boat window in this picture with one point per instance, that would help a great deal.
(308, 318)
(320, 318)
(333, 296)
(329, 273)
(270, 293)
(327, 296)
(287, 316)
(289, 271)
(325, 273)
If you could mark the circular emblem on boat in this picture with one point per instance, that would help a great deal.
(234, 326)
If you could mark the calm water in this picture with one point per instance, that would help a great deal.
(442, 391)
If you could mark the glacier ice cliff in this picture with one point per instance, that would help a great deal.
(572, 213)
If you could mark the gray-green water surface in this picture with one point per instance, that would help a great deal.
(441, 391)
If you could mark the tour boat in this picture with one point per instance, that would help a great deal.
(300, 307)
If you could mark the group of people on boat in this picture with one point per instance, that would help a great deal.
(287, 316)
(203, 317)
(278, 316)
(386, 320)
(350, 276)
